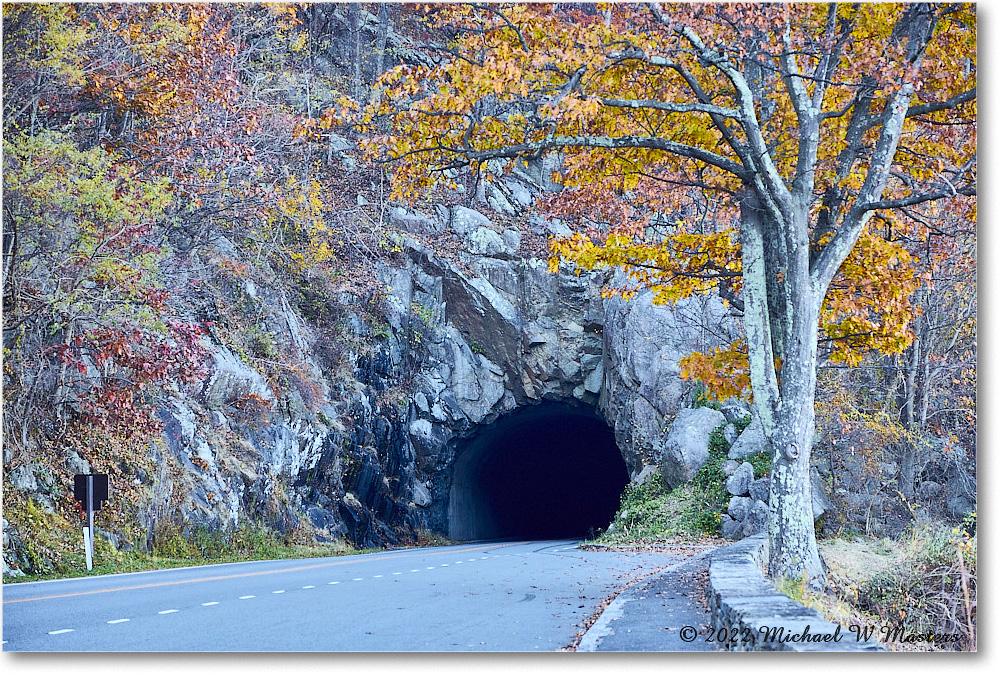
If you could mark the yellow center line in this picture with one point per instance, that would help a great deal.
(252, 574)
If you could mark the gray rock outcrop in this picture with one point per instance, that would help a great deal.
(686, 448)
(363, 446)
(756, 520)
(760, 489)
(820, 500)
(750, 442)
(739, 483)
(747, 511)
(735, 410)
(739, 507)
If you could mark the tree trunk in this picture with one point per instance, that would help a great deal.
(793, 552)
(786, 411)
(907, 455)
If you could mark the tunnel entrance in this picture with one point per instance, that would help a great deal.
(551, 471)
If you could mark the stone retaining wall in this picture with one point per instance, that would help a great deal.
(749, 614)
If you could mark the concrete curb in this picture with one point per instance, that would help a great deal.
(749, 614)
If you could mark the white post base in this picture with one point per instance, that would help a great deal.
(88, 545)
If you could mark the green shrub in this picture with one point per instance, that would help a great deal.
(761, 463)
(933, 588)
(651, 511)
(700, 397)
(261, 342)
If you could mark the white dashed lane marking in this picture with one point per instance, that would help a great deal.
(248, 597)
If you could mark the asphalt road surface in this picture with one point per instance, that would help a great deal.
(520, 596)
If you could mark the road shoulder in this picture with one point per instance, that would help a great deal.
(650, 615)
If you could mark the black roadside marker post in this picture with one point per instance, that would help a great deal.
(91, 490)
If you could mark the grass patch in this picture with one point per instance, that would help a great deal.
(651, 512)
(52, 546)
(923, 583)
(427, 538)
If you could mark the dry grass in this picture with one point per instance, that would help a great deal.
(850, 560)
(924, 583)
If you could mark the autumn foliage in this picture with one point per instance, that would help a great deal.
(131, 140)
(639, 120)
(785, 156)
(812, 165)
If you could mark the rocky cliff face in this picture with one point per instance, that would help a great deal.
(476, 337)
(458, 333)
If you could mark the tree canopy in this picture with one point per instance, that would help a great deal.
(784, 155)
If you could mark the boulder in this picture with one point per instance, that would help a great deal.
(23, 478)
(731, 529)
(756, 521)
(464, 220)
(549, 227)
(686, 448)
(232, 381)
(519, 192)
(760, 489)
(15, 556)
(647, 472)
(421, 495)
(820, 501)
(739, 483)
(958, 502)
(484, 241)
(959, 486)
(735, 409)
(415, 223)
(750, 442)
(338, 143)
(427, 440)
(928, 490)
(512, 239)
(498, 199)
(75, 463)
(739, 508)
(729, 467)
(322, 518)
(420, 401)
(729, 433)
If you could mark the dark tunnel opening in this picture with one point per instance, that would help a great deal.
(551, 471)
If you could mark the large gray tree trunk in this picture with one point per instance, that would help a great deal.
(778, 296)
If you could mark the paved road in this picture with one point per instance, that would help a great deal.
(524, 596)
